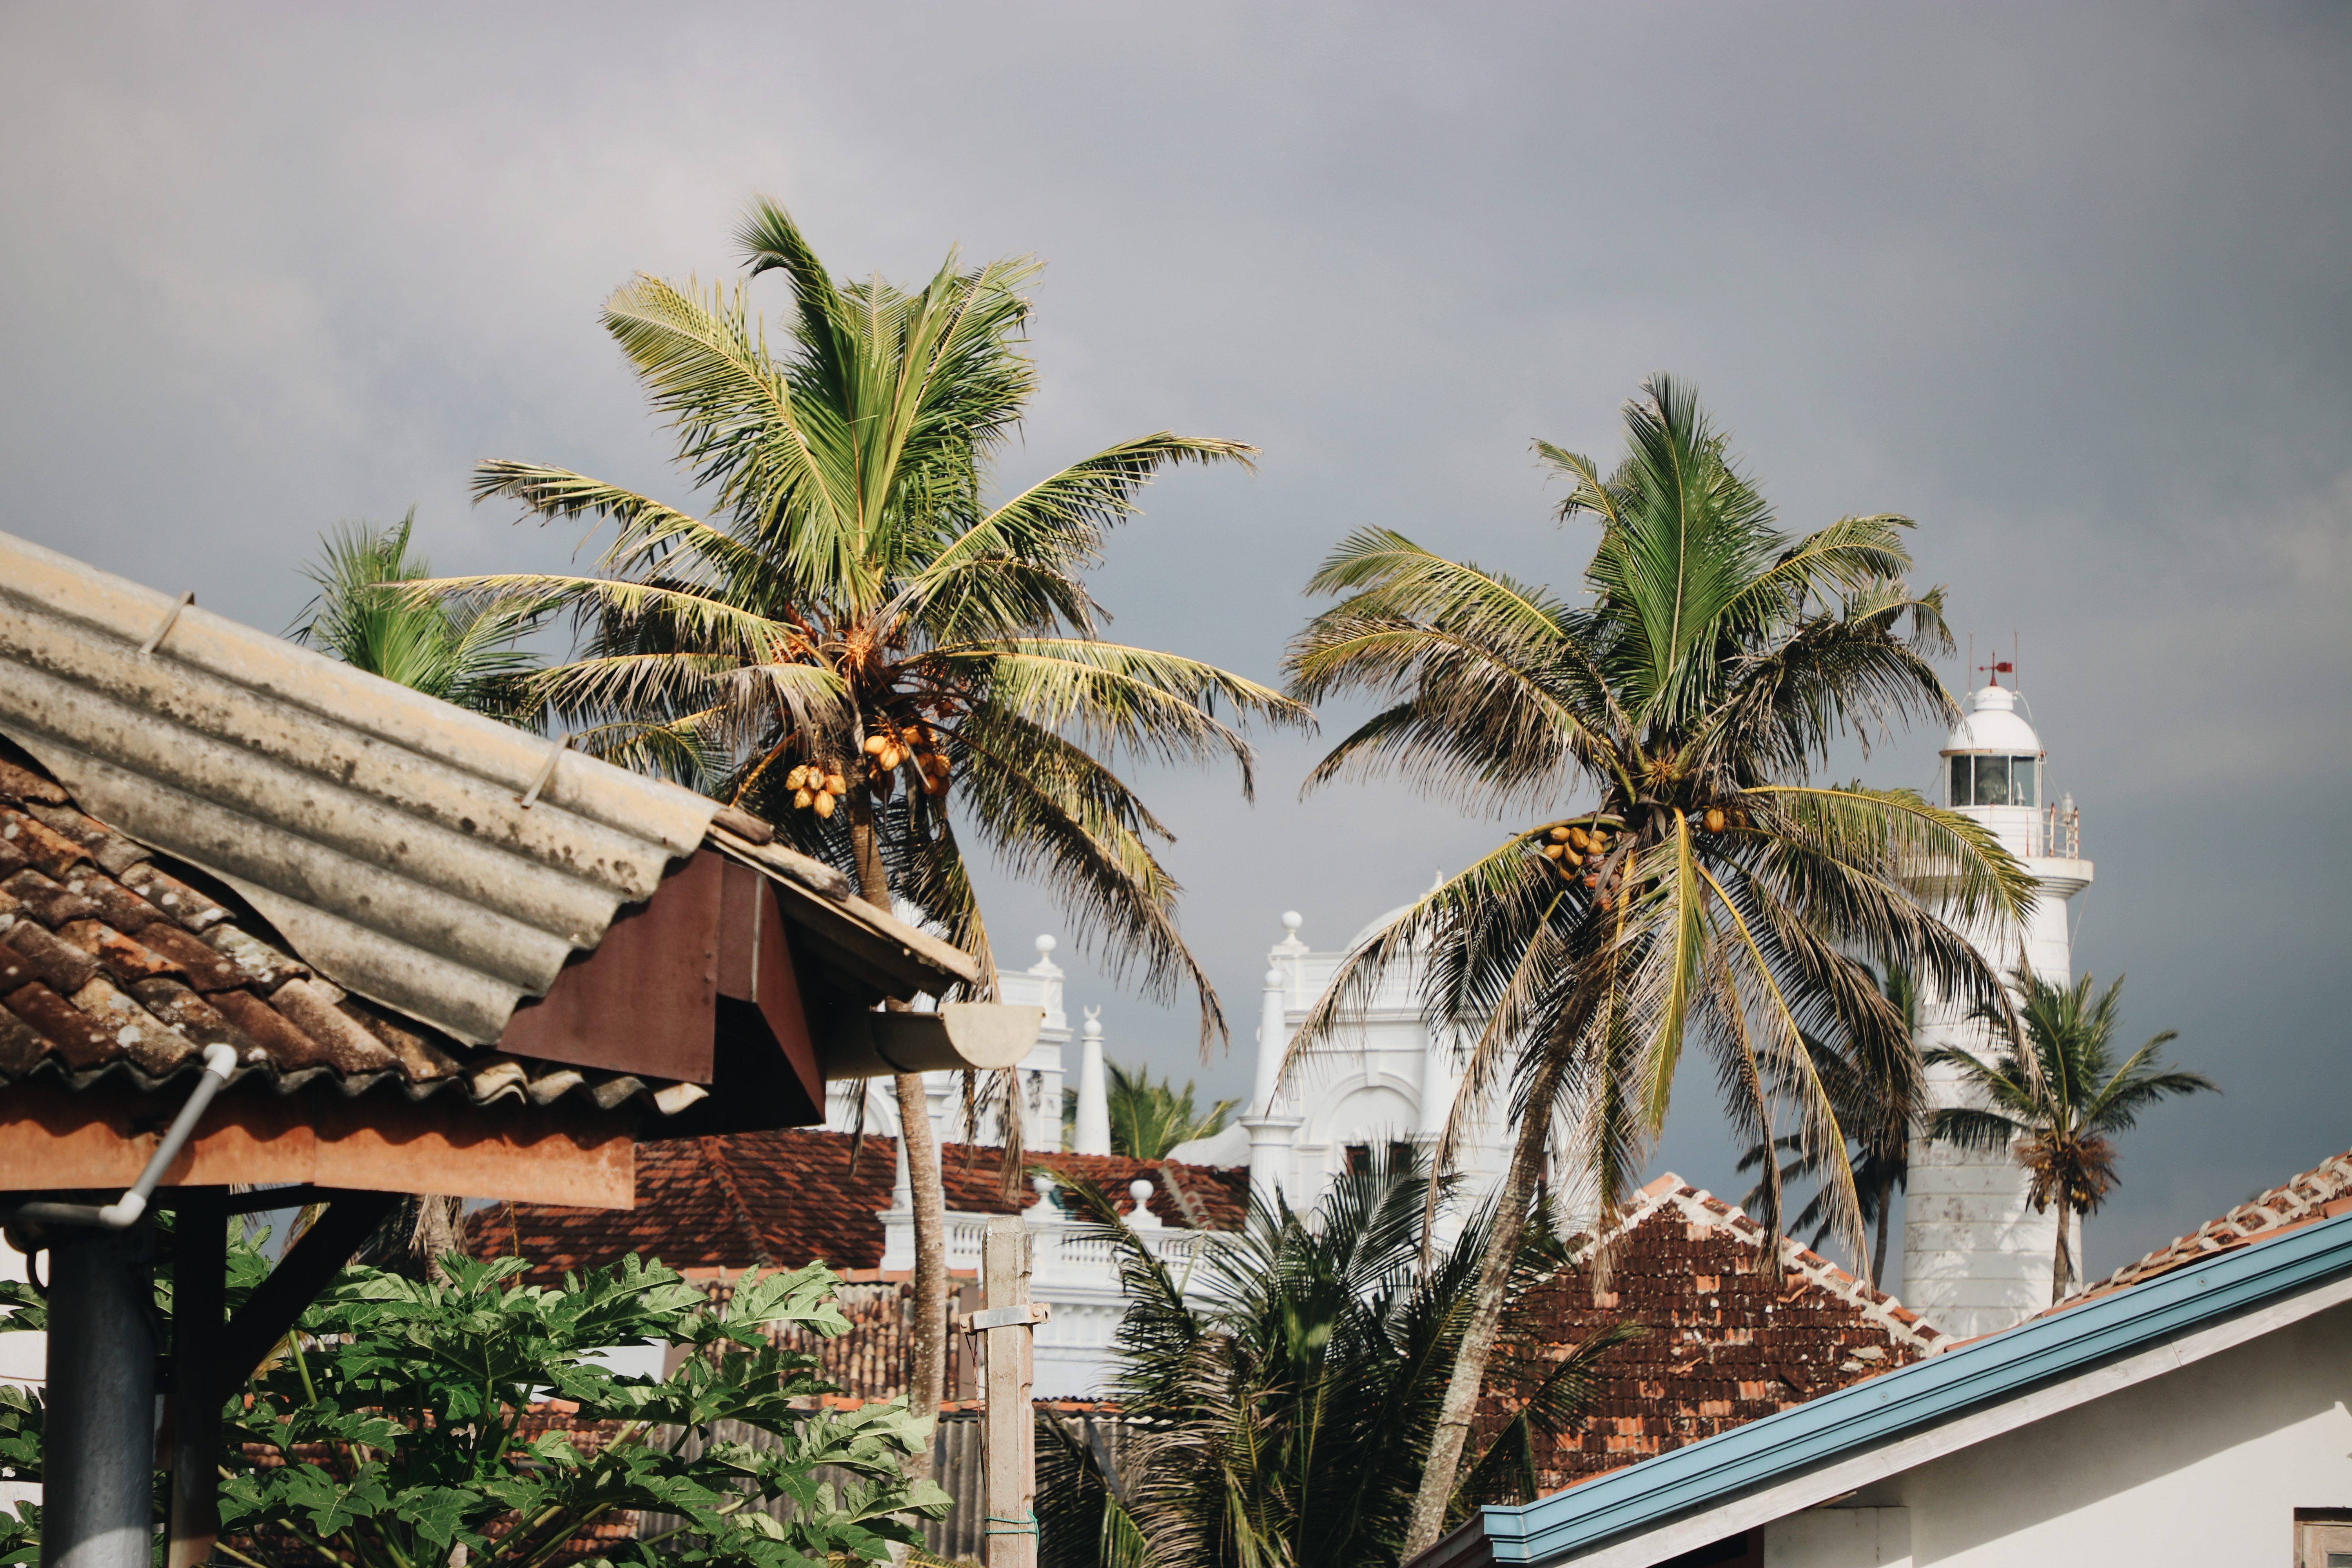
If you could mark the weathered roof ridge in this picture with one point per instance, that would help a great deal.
(1701, 1207)
(2320, 1192)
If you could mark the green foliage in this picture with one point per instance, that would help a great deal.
(1683, 879)
(1878, 1084)
(461, 654)
(859, 579)
(1285, 1390)
(1148, 1118)
(395, 1411)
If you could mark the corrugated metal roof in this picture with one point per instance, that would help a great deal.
(384, 833)
(1643, 1497)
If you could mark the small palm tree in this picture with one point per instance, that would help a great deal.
(1684, 876)
(1285, 1391)
(1877, 1084)
(461, 654)
(465, 654)
(1148, 1119)
(867, 645)
(2059, 1109)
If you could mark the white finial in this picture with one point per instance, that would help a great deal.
(1291, 920)
(1093, 1030)
(1142, 1218)
(1140, 1190)
(1274, 981)
(1043, 1185)
(1045, 945)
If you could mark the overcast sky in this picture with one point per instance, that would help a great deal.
(2070, 285)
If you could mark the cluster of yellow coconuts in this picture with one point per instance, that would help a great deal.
(814, 789)
(1573, 848)
(819, 788)
(918, 742)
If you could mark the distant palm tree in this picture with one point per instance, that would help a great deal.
(465, 654)
(1877, 1083)
(862, 636)
(1283, 1392)
(461, 654)
(2060, 1108)
(1148, 1119)
(1706, 885)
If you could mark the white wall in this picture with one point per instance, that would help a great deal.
(2201, 1468)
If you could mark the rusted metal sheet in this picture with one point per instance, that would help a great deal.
(646, 1000)
(58, 1139)
(384, 833)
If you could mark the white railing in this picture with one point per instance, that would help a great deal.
(1059, 1247)
(2059, 832)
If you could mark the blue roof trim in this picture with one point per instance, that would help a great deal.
(1911, 1398)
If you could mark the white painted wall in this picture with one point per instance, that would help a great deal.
(2200, 1467)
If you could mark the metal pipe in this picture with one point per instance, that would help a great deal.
(220, 1060)
(98, 1452)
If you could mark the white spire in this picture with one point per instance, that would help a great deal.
(1273, 1042)
(1091, 1135)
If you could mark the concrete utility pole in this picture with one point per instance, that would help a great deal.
(1008, 1439)
(100, 1453)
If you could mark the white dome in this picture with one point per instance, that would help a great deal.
(1993, 724)
(1378, 926)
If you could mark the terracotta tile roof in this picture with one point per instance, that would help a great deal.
(1725, 1342)
(117, 962)
(784, 1198)
(2318, 1193)
(735, 1201)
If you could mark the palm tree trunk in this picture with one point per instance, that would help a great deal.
(2062, 1269)
(927, 1371)
(1878, 1248)
(1478, 1338)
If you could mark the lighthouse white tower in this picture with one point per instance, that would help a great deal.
(1975, 1257)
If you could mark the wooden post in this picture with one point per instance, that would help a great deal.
(1009, 1533)
(199, 1263)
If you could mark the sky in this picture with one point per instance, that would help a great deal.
(2070, 285)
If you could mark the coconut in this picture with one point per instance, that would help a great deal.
(1714, 819)
(834, 785)
(1554, 851)
(825, 806)
(801, 799)
(892, 756)
(1559, 835)
(874, 744)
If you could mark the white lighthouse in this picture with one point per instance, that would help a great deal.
(1975, 1257)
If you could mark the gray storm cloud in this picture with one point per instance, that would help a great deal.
(2069, 285)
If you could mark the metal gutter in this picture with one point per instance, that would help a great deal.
(1865, 1415)
(395, 840)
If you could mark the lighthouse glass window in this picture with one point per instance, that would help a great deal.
(1996, 781)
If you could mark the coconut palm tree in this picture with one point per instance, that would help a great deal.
(1878, 1087)
(2060, 1107)
(1148, 1118)
(1682, 871)
(865, 643)
(1283, 1391)
(461, 653)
